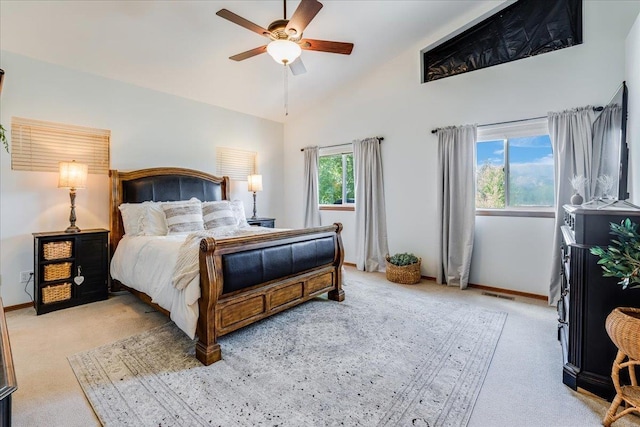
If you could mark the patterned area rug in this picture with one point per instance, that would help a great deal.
(384, 356)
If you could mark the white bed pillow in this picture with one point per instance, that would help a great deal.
(218, 215)
(184, 216)
(132, 217)
(154, 222)
(237, 206)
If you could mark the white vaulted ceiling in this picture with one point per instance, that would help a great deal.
(182, 47)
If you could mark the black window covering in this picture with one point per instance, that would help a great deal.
(523, 29)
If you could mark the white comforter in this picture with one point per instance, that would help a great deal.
(148, 264)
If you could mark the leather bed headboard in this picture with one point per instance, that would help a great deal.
(160, 185)
(168, 188)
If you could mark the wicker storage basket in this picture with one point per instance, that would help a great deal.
(405, 274)
(623, 326)
(57, 271)
(57, 250)
(56, 293)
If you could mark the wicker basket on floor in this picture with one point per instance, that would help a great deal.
(404, 274)
(56, 293)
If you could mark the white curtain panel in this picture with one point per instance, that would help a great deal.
(311, 207)
(571, 139)
(371, 220)
(456, 203)
(606, 151)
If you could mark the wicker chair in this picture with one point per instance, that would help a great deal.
(623, 327)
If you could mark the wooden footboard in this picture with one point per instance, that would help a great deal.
(242, 279)
(223, 311)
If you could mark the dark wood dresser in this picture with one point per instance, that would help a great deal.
(8, 383)
(587, 297)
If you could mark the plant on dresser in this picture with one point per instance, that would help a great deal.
(621, 258)
(70, 269)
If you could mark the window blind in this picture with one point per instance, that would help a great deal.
(521, 128)
(234, 163)
(40, 146)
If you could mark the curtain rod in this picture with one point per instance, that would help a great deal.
(516, 121)
(380, 139)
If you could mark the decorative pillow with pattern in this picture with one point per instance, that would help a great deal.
(218, 214)
(183, 217)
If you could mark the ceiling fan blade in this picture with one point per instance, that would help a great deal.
(326, 46)
(297, 67)
(236, 19)
(306, 11)
(249, 53)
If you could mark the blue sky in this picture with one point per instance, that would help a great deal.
(530, 150)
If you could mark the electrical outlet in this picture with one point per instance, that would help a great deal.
(25, 276)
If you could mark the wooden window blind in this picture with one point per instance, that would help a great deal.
(236, 164)
(40, 146)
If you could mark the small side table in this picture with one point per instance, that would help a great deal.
(70, 268)
(262, 222)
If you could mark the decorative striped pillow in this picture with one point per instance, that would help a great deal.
(218, 214)
(183, 216)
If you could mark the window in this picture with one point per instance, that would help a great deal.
(40, 146)
(336, 180)
(234, 163)
(514, 167)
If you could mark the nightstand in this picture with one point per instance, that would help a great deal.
(262, 222)
(70, 268)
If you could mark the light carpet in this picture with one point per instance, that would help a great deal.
(384, 356)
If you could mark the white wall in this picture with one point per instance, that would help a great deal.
(632, 77)
(512, 253)
(148, 129)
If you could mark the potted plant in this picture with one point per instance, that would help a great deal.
(577, 182)
(3, 138)
(621, 258)
(403, 268)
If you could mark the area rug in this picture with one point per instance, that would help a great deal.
(385, 356)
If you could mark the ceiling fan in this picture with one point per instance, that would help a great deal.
(286, 36)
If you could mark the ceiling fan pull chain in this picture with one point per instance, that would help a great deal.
(286, 90)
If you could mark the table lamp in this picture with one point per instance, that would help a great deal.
(72, 176)
(254, 184)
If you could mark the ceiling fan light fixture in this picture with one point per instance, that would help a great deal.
(284, 51)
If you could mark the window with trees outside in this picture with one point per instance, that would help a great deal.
(336, 184)
(514, 167)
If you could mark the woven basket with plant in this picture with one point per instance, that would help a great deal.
(403, 268)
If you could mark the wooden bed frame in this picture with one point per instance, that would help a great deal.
(220, 312)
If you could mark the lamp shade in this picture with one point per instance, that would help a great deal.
(254, 183)
(72, 175)
(284, 51)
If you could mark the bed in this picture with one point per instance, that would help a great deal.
(241, 279)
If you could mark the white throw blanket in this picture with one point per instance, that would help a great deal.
(187, 265)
